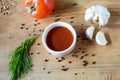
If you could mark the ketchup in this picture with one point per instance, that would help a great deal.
(59, 38)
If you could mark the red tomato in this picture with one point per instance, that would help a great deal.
(39, 8)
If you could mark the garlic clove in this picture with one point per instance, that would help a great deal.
(89, 32)
(89, 14)
(88, 17)
(100, 39)
(103, 21)
(98, 14)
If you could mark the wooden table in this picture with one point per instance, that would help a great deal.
(16, 25)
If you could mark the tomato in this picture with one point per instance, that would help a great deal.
(39, 8)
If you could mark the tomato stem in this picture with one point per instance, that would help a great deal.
(31, 7)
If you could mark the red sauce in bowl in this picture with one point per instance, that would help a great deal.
(59, 38)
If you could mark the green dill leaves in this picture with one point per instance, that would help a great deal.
(20, 61)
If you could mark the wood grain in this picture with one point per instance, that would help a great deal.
(16, 25)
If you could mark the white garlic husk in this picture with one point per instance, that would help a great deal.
(100, 38)
(89, 32)
(98, 14)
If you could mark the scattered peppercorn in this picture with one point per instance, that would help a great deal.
(40, 30)
(38, 52)
(86, 55)
(57, 20)
(63, 66)
(74, 4)
(70, 62)
(56, 58)
(35, 24)
(81, 57)
(46, 60)
(33, 30)
(93, 54)
(49, 72)
(23, 24)
(29, 34)
(36, 20)
(83, 51)
(38, 23)
(27, 28)
(59, 60)
(73, 55)
(21, 27)
(76, 73)
(31, 53)
(71, 17)
(65, 69)
(83, 72)
(62, 58)
(44, 68)
(10, 37)
(6, 13)
(34, 34)
(85, 63)
(31, 65)
(94, 62)
(38, 44)
(71, 21)
(79, 48)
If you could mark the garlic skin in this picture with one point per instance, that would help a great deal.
(100, 39)
(98, 14)
(89, 32)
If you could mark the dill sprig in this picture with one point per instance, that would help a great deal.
(20, 61)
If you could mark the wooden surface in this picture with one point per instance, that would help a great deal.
(13, 32)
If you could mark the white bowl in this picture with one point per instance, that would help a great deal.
(53, 25)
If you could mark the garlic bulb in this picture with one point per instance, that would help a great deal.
(100, 39)
(89, 32)
(98, 14)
